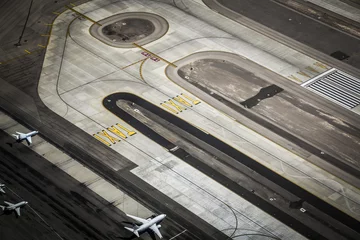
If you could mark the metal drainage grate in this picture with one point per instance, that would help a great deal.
(337, 86)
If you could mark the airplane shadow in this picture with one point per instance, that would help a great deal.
(11, 144)
(8, 213)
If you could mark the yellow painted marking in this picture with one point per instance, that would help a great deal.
(48, 24)
(41, 46)
(304, 74)
(153, 54)
(83, 15)
(72, 4)
(182, 101)
(295, 78)
(129, 132)
(57, 13)
(112, 139)
(169, 108)
(116, 131)
(193, 100)
(132, 64)
(312, 69)
(140, 70)
(45, 35)
(320, 65)
(27, 51)
(101, 140)
(178, 107)
(21, 56)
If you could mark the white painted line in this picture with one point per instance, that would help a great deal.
(178, 234)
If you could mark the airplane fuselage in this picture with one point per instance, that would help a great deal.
(155, 220)
(24, 136)
(17, 205)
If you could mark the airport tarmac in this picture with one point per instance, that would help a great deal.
(84, 99)
(80, 92)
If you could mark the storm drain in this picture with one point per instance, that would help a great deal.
(337, 86)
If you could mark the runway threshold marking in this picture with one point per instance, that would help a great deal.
(153, 54)
(113, 140)
(304, 74)
(105, 137)
(176, 108)
(311, 69)
(193, 100)
(101, 140)
(178, 234)
(82, 15)
(319, 64)
(295, 78)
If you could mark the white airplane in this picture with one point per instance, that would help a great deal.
(2, 186)
(150, 223)
(10, 207)
(25, 136)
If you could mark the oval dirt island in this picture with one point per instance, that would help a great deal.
(124, 29)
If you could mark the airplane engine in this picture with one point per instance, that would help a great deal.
(159, 226)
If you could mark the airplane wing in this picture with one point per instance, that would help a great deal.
(155, 229)
(138, 219)
(8, 203)
(2, 190)
(28, 140)
(20, 133)
(17, 212)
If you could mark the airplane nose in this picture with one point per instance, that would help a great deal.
(26, 202)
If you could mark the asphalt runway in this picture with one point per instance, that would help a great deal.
(310, 32)
(273, 177)
(59, 207)
(293, 25)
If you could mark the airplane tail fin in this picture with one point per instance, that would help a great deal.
(133, 231)
(2, 207)
(16, 136)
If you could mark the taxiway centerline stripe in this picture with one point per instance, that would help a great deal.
(144, 49)
(83, 15)
(132, 64)
(140, 69)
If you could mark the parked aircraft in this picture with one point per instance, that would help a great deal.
(25, 136)
(151, 223)
(2, 186)
(10, 207)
